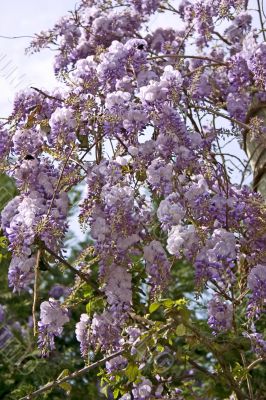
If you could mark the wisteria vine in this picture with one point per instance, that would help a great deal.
(140, 121)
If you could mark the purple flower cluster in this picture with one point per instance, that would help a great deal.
(157, 265)
(142, 390)
(220, 314)
(38, 212)
(27, 142)
(257, 285)
(82, 334)
(5, 142)
(52, 318)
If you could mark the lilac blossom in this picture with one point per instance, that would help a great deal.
(220, 314)
(257, 284)
(182, 240)
(26, 141)
(118, 288)
(157, 265)
(63, 124)
(2, 314)
(258, 342)
(216, 259)
(5, 142)
(58, 291)
(258, 65)
(142, 390)
(106, 329)
(82, 334)
(170, 212)
(52, 318)
(21, 272)
(159, 175)
(116, 364)
(136, 121)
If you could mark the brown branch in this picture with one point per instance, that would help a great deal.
(58, 183)
(249, 384)
(261, 20)
(69, 266)
(256, 362)
(220, 114)
(35, 291)
(222, 38)
(187, 56)
(73, 375)
(202, 369)
(93, 144)
(17, 37)
(46, 95)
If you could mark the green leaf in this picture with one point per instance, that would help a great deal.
(168, 303)
(116, 393)
(181, 302)
(153, 307)
(104, 390)
(63, 374)
(239, 372)
(131, 372)
(66, 386)
(7, 190)
(180, 330)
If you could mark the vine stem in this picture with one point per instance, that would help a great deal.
(46, 94)
(261, 20)
(69, 266)
(187, 56)
(220, 114)
(17, 37)
(73, 375)
(59, 181)
(35, 292)
(249, 384)
(256, 362)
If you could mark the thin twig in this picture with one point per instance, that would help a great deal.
(58, 182)
(187, 56)
(73, 375)
(69, 266)
(220, 290)
(202, 369)
(46, 95)
(79, 164)
(93, 144)
(35, 291)
(230, 155)
(249, 384)
(261, 20)
(256, 362)
(220, 114)
(247, 164)
(222, 38)
(17, 37)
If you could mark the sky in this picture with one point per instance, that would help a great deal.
(17, 70)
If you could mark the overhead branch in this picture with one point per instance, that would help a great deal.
(73, 375)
